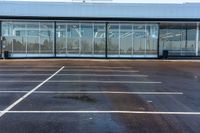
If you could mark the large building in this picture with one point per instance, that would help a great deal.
(99, 30)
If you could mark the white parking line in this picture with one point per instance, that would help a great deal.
(26, 70)
(97, 92)
(104, 112)
(82, 81)
(30, 67)
(92, 75)
(69, 70)
(109, 67)
(29, 93)
(100, 81)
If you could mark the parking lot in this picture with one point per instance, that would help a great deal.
(99, 96)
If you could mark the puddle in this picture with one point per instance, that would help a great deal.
(83, 98)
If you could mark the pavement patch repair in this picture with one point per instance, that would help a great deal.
(99, 96)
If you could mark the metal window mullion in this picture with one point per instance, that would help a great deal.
(1, 43)
(12, 39)
(26, 35)
(181, 39)
(119, 43)
(132, 39)
(197, 40)
(79, 39)
(93, 39)
(158, 40)
(39, 39)
(106, 39)
(145, 40)
(55, 39)
(66, 37)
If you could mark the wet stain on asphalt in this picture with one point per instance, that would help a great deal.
(83, 98)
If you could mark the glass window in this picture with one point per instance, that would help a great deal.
(46, 39)
(73, 43)
(80, 40)
(178, 39)
(139, 40)
(32, 39)
(132, 40)
(27, 39)
(61, 39)
(126, 40)
(99, 40)
(15, 38)
(151, 40)
(113, 40)
(199, 42)
(189, 47)
(87, 40)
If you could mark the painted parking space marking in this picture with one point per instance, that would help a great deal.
(109, 67)
(70, 70)
(97, 92)
(29, 93)
(100, 81)
(82, 81)
(103, 112)
(79, 74)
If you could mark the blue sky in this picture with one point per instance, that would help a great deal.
(125, 1)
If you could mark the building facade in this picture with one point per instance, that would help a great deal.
(99, 30)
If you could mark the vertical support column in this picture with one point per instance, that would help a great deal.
(158, 41)
(106, 40)
(119, 39)
(26, 36)
(197, 40)
(80, 39)
(55, 38)
(1, 41)
(186, 40)
(93, 34)
(145, 33)
(66, 37)
(132, 41)
(39, 38)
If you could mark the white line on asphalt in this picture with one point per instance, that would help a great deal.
(93, 75)
(65, 67)
(30, 67)
(68, 70)
(82, 81)
(29, 93)
(26, 70)
(100, 81)
(105, 112)
(97, 92)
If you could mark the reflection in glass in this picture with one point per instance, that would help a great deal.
(151, 39)
(87, 41)
(33, 38)
(113, 40)
(178, 39)
(28, 39)
(126, 35)
(46, 38)
(80, 40)
(61, 39)
(132, 40)
(139, 40)
(99, 40)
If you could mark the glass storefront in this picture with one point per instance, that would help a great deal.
(178, 39)
(80, 39)
(132, 40)
(28, 39)
(88, 39)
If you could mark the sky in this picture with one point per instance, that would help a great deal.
(124, 1)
